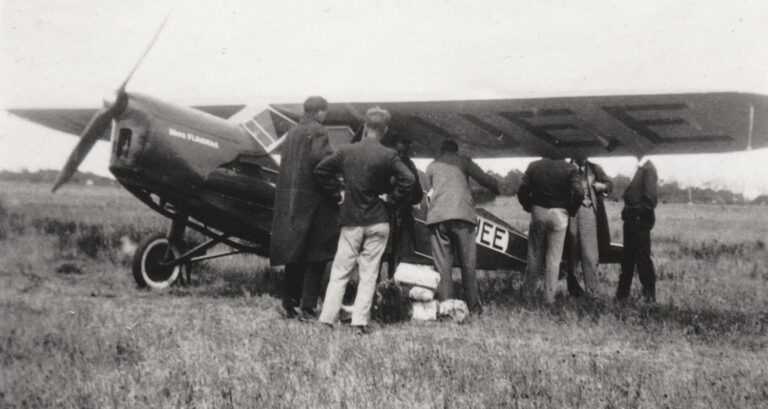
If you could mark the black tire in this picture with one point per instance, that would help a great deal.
(147, 271)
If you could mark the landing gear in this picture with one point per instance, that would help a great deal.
(153, 261)
(150, 262)
(162, 259)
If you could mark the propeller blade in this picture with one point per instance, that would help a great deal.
(146, 51)
(101, 120)
(95, 128)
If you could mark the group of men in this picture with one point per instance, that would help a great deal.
(351, 204)
(566, 205)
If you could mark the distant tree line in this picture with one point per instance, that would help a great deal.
(49, 176)
(669, 192)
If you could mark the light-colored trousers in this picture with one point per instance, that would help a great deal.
(583, 231)
(361, 247)
(546, 236)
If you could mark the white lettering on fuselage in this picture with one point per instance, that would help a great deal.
(491, 235)
(194, 138)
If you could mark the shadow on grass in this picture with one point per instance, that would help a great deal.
(232, 282)
(748, 329)
(709, 325)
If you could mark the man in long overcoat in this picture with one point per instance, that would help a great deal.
(402, 234)
(588, 233)
(305, 227)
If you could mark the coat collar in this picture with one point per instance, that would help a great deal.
(306, 119)
(448, 155)
(370, 140)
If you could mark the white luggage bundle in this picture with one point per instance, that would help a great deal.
(455, 310)
(421, 294)
(417, 275)
(423, 281)
(424, 311)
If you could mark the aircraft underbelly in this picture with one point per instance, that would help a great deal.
(499, 245)
(241, 219)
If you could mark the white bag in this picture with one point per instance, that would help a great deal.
(424, 311)
(456, 310)
(418, 275)
(421, 294)
(345, 313)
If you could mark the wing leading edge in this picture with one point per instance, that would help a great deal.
(73, 121)
(594, 126)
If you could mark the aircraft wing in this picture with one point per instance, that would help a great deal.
(592, 126)
(73, 121)
(65, 120)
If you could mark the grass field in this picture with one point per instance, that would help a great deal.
(75, 331)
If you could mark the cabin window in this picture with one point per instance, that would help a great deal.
(124, 142)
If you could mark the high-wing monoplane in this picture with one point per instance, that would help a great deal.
(213, 168)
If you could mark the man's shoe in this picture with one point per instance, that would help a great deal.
(649, 299)
(307, 315)
(476, 312)
(622, 301)
(576, 292)
(326, 325)
(361, 330)
(287, 313)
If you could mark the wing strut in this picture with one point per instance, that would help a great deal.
(751, 127)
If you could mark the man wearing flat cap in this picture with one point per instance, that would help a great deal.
(304, 228)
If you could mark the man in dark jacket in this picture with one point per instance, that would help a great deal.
(304, 228)
(550, 191)
(368, 169)
(452, 219)
(588, 233)
(640, 200)
(402, 230)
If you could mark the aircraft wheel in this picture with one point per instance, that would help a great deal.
(147, 269)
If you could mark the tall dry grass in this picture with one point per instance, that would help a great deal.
(84, 336)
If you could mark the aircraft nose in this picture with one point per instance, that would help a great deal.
(109, 99)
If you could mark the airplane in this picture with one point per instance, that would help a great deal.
(213, 169)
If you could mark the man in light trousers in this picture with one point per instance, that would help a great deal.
(550, 191)
(368, 169)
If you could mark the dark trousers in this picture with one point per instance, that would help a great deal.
(301, 285)
(637, 254)
(456, 237)
(401, 238)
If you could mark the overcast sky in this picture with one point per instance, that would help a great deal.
(73, 53)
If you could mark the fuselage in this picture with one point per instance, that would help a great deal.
(207, 168)
(220, 174)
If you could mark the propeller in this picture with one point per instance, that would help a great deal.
(101, 121)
